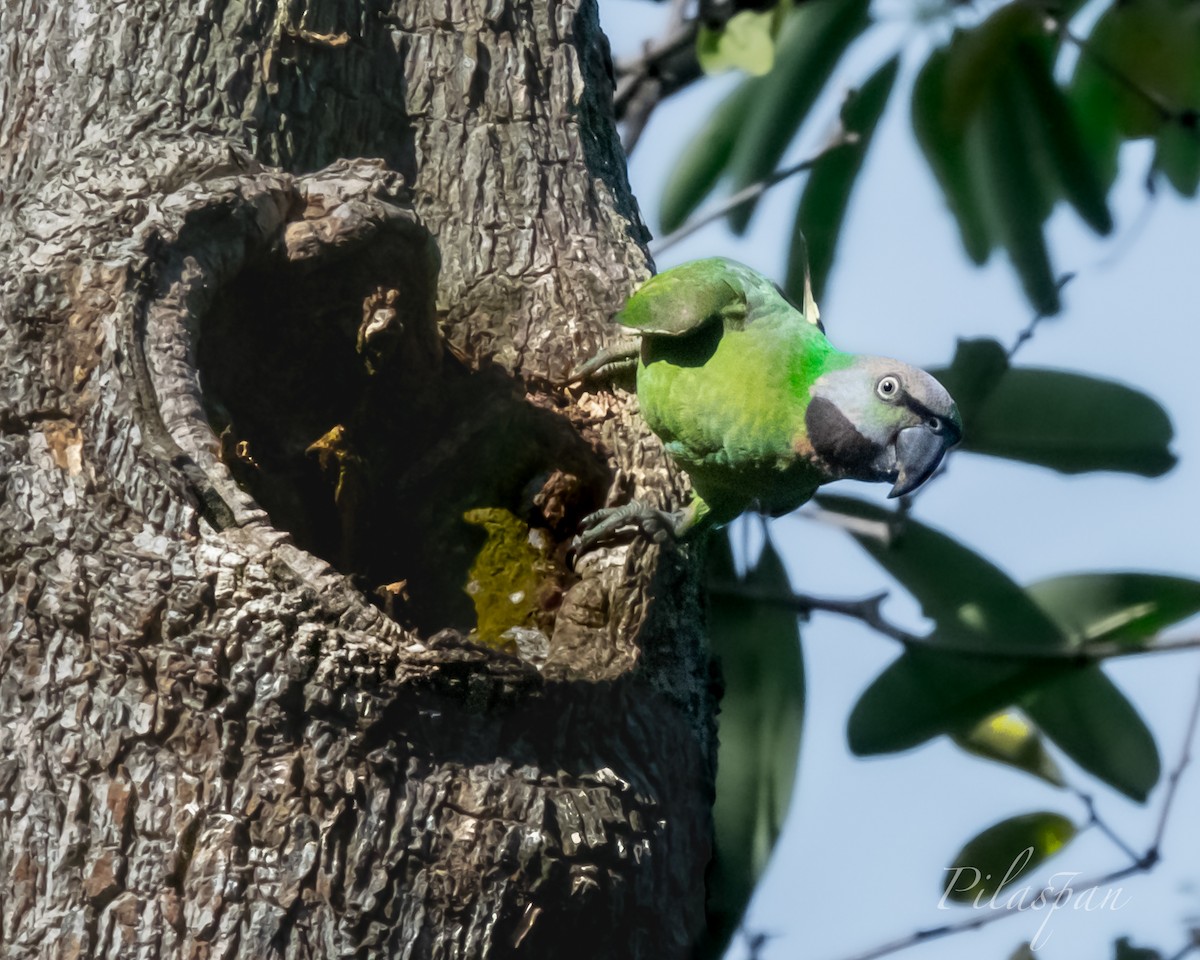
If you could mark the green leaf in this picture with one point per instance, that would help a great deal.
(1094, 724)
(979, 58)
(1124, 950)
(702, 162)
(746, 42)
(1116, 607)
(826, 195)
(1073, 423)
(1008, 737)
(1018, 195)
(1003, 852)
(1098, 103)
(813, 39)
(1066, 421)
(1140, 63)
(971, 601)
(1071, 166)
(927, 692)
(976, 370)
(1064, 10)
(945, 152)
(1004, 144)
(1138, 75)
(1178, 157)
(759, 728)
(1092, 108)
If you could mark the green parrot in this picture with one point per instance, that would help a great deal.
(758, 408)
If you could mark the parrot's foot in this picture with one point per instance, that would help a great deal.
(659, 525)
(610, 363)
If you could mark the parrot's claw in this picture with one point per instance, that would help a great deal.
(609, 364)
(659, 525)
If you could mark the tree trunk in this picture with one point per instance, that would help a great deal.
(242, 415)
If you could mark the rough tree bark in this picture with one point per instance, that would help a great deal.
(242, 414)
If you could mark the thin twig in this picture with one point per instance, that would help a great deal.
(868, 610)
(1173, 779)
(666, 65)
(637, 114)
(1094, 819)
(756, 941)
(1186, 118)
(751, 192)
(1188, 948)
(1023, 338)
(1027, 334)
(1049, 896)
(639, 92)
(678, 38)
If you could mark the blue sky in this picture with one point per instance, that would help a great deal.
(861, 861)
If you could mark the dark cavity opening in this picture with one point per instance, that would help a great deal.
(339, 410)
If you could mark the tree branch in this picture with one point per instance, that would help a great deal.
(868, 610)
(1026, 334)
(1095, 820)
(1185, 758)
(751, 192)
(1049, 896)
(665, 66)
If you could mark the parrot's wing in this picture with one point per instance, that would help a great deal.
(686, 298)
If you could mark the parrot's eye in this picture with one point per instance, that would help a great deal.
(888, 388)
(935, 424)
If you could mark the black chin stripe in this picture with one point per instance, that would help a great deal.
(909, 402)
(835, 439)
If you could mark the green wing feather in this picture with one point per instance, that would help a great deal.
(685, 299)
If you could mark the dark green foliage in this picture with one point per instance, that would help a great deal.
(749, 132)
(1005, 141)
(1094, 724)
(1007, 669)
(946, 150)
(1124, 950)
(810, 45)
(997, 131)
(757, 645)
(927, 692)
(1125, 608)
(1008, 737)
(1003, 852)
(1055, 132)
(701, 165)
(1139, 76)
(974, 604)
(827, 193)
(1066, 421)
(995, 644)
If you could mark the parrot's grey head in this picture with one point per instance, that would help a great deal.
(879, 419)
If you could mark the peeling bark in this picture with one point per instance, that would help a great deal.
(250, 385)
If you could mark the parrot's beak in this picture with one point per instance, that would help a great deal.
(919, 450)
